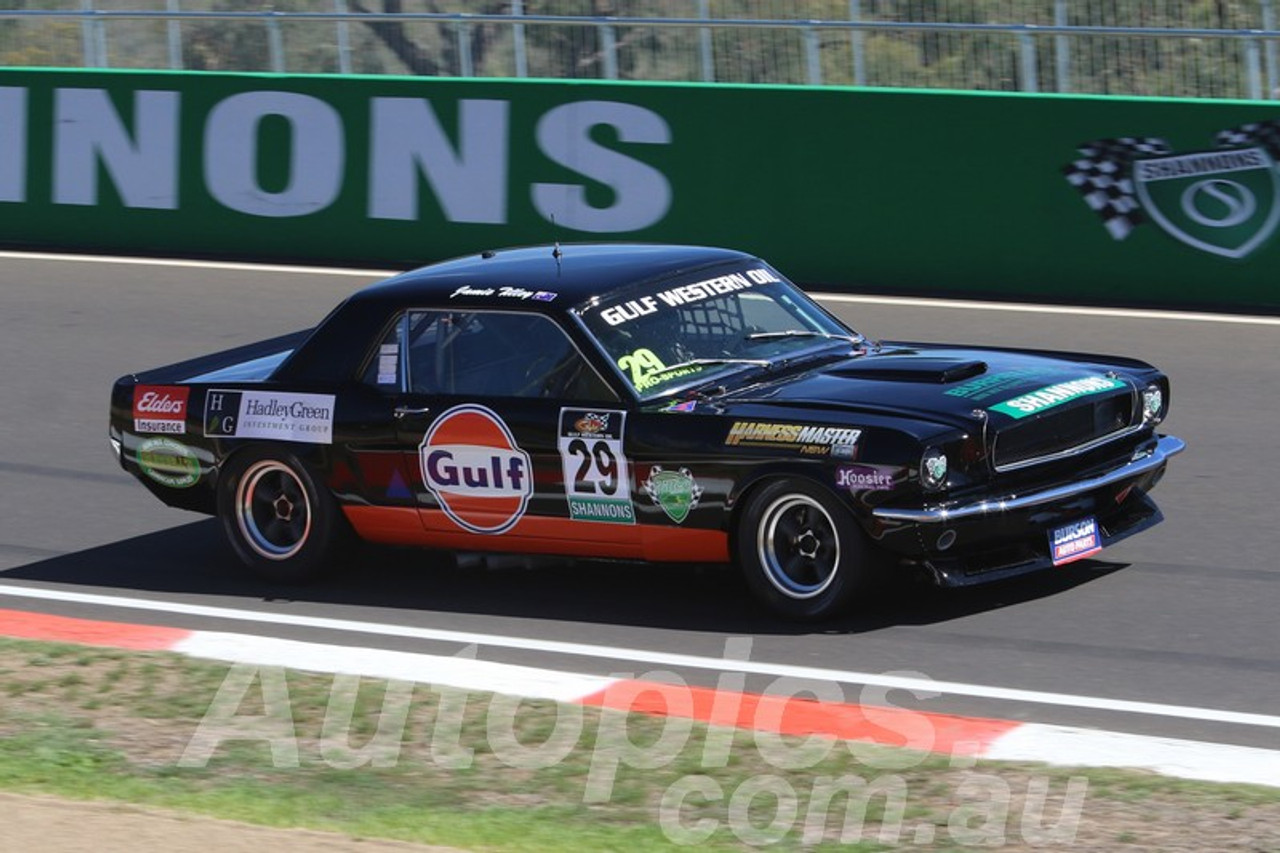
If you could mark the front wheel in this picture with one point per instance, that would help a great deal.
(801, 551)
(278, 520)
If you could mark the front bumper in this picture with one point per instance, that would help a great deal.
(993, 538)
(1143, 462)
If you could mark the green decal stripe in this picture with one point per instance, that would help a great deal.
(1055, 395)
(614, 511)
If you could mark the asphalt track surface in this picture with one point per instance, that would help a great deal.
(1184, 615)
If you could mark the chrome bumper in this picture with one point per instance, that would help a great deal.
(1166, 446)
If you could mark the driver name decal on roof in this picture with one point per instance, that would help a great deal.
(597, 482)
(472, 465)
(685, 294)
(506, 292)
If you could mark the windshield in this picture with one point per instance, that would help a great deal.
(677, 333)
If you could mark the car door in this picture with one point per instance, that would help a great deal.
(513, 439)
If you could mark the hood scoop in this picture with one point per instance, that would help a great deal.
(935, 371)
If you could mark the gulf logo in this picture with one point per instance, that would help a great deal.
(471, 463)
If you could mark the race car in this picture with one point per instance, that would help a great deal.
(651, 403)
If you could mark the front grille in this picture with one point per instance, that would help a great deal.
(1066, 430)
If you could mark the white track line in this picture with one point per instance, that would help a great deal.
(1186, 759)
(1075, 310)
(466, 673)
(192, 264)
(921, 686)
(900, 301)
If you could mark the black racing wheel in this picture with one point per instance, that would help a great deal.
(802, 553)
(278, 520)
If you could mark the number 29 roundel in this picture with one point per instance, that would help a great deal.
(596, 481)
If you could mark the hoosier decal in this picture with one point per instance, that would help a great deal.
(472, 465)
(859, 478)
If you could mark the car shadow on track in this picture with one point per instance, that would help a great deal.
(193, 561)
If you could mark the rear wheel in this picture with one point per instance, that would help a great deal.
(801, 551)
(278, 520)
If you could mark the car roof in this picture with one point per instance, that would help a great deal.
(581, 271)
(336, 347)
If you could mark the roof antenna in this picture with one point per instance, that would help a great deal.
(555, 249)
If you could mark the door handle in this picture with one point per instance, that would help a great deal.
(410, 411)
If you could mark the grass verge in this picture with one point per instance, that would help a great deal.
(419, 763)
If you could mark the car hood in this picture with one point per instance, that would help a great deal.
(937, 383)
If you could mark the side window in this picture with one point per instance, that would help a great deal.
(386, 369)
(493, 353)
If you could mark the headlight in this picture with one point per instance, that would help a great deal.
(1152, 404)
(933, 469)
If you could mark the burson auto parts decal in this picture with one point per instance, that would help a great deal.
(160, 408)
(471, 463)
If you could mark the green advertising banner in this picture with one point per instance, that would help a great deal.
(1037, 197)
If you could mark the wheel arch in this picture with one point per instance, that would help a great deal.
(760, 477)
(305, 549)
(740, 495)
(310, 455)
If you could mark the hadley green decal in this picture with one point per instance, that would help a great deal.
(168, 462)
(1054, 395)
(674, 491)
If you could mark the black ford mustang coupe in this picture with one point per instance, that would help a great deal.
(648, 403)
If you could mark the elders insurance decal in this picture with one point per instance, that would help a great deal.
(472, 465)
(160, 408)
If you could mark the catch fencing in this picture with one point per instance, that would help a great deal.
(1116, 47)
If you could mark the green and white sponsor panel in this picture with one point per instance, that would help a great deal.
(168, 462)
(1037, 197)
(1055, 395)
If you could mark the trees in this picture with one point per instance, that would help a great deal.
(613, 40)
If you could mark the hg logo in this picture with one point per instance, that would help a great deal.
(220, 411)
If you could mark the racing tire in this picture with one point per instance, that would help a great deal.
(279, 521)
(801, 552)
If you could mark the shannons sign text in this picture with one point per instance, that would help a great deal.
(408, 151)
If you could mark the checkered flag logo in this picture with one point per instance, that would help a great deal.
(1263, 133)
(1104, 177)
